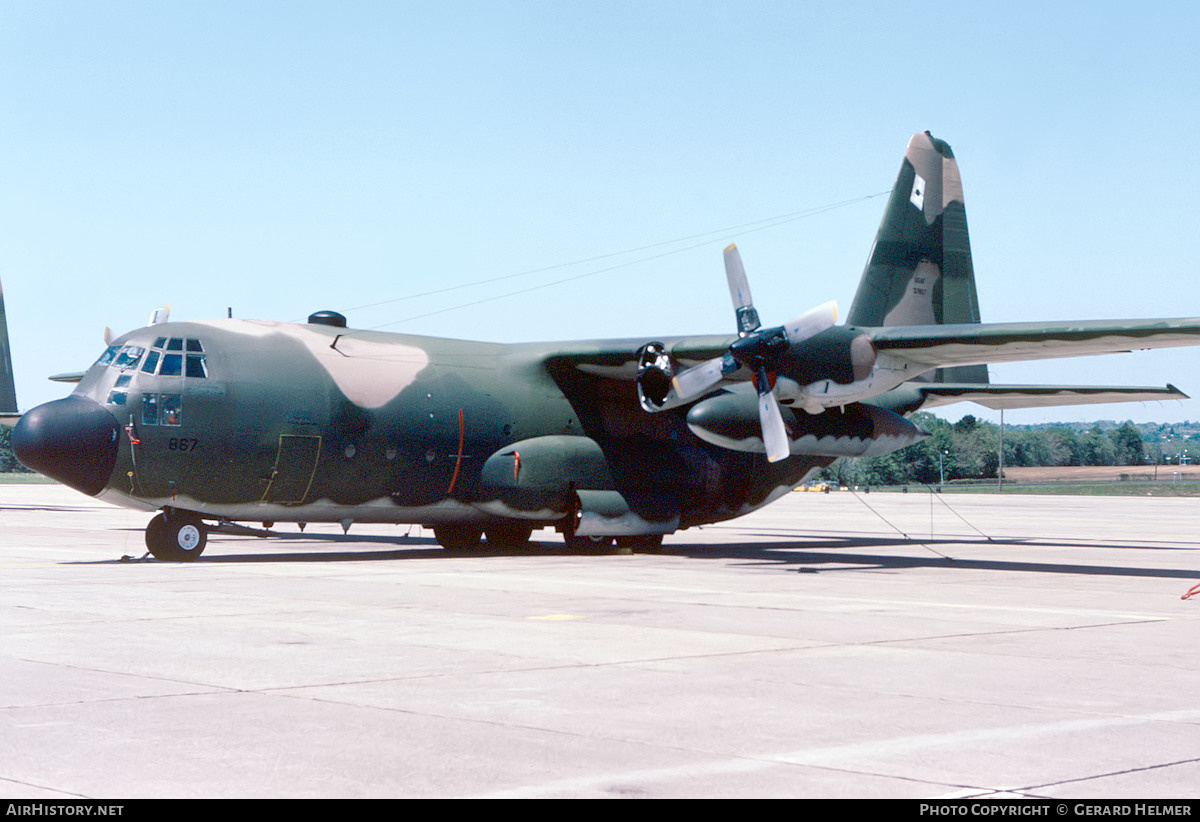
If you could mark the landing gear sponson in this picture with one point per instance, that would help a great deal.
(180, 536)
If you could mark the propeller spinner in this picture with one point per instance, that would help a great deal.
(757, 350)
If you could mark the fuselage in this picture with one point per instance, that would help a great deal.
(245, 420)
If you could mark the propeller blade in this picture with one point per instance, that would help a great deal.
(812, 322)
(739, 292)
(775, 436)
(699, 379)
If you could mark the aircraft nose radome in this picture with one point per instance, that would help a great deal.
(72, 440)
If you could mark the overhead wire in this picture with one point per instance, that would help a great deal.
(744, 228)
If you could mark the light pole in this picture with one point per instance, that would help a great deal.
(942, 469)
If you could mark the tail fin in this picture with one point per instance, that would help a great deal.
(920, 271)
(8, 390)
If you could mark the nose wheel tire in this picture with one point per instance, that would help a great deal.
(176, 536)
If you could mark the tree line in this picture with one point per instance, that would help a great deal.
(8, 462)
(969, 449)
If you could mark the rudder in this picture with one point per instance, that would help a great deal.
(919, 271)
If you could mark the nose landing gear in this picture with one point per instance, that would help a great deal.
(176, 536)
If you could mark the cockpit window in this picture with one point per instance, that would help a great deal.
(108, 355)
(172, 365)
(167, 359)
(172, 409)
(196, 366)
(150, 409)
(119, 391)
(128, 357)
(162, 409)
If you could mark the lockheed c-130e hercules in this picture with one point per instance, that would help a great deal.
(218, 422)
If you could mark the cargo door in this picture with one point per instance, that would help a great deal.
(295, 465)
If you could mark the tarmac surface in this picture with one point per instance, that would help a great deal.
(808, 650)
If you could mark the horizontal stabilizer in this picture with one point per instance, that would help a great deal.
(1040, 396)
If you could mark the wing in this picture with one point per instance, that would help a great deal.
(941, 346)
(1039, 396)
(618, 359)
(906, 355)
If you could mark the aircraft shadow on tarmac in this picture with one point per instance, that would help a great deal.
(812, 555)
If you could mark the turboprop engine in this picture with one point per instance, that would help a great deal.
(809, 362)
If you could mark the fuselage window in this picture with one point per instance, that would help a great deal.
(172, 365)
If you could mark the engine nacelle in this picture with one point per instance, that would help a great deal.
(730, 420)
(655, 373)
(842, 354)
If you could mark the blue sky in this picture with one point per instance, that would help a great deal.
(284, 157)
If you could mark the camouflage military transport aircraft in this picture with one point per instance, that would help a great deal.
(213, 423)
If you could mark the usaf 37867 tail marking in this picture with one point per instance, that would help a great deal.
(231, 420)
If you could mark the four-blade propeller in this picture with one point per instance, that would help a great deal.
(758, 350)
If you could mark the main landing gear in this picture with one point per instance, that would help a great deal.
(176, 536)
(466, 537)
(509, 537)
(642, 544)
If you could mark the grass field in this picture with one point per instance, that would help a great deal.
(24, 479)
(1099, 480)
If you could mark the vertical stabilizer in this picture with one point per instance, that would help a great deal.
(919, 271)
(8, 389)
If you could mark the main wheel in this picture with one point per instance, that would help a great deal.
(458, 537)
(587, 544)
(176, 536)
(642, 544)
(508, 536)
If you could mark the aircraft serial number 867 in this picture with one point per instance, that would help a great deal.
(610, 440)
